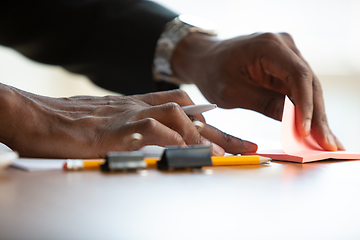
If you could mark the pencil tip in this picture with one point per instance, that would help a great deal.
(264, 159)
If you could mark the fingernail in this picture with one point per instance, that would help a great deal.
(217, 150)
(137, 136)
(199, 125)
(203, 141)
(331, 141)
(135, 141)
(307, 127)
(339, 145)
(250, 146)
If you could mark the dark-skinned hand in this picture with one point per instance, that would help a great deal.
(256, 72)
(90, 127)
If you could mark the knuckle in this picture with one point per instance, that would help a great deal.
(268, 41)
(310, 108)
(180, 94)
(306, 74)
(226, 138)
(149, 98)
(323, 118)
(317, 85)
(148, 124)
(108, 99)
(115, 100)
(321, 123)
(255, 34)
(303, 73)
(287, 36)
(178, 138)
(269, 36)
(172, 108)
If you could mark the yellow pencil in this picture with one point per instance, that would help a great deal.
(78, 164)
(239, 160)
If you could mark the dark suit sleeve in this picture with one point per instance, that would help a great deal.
(110, 41)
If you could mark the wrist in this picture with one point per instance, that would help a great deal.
(191, 55)
(181, 28)
(9, 106)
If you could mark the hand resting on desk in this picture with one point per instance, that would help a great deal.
(89, 127)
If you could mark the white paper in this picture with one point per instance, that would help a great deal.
(41, 164)
(37, 164)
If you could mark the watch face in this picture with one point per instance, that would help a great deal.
(196, 22)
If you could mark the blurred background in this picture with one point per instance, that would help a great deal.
(326, 32)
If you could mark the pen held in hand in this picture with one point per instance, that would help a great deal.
(197, 109)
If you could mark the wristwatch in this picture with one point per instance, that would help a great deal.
(174, 32)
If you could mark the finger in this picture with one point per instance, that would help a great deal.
(229, 143)
(320, 127)
(289, 41)
(198, 124)
(215, 149)
(178, 96)
(339, 144)
(286, 65)
(324, 136)
(172, 116)
(152, 132)
(133, 141)
(158, 98)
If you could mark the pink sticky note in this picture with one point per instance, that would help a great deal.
(301, 149)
